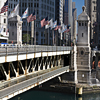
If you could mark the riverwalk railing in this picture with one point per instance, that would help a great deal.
(8, 50)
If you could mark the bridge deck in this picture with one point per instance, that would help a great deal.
(9, 54)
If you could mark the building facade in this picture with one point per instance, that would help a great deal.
(43, 8)
(70, 16)
(91, 10)
(3, 21)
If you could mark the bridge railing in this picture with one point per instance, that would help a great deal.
(6, 50)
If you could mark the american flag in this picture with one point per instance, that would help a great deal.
(58, 27)
(44, 21)
(7, 31)
(31, 18)
(5, 7)
(68, 30)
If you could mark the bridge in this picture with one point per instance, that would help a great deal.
(24, 67)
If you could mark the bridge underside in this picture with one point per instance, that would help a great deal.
(17, 76)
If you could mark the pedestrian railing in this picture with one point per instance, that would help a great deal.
(8, 50)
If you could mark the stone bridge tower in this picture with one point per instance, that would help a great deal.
(83, 48)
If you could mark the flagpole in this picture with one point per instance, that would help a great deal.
(48, 32)
(52, 38)
(55, 38)
(35, 32)
(27, 31)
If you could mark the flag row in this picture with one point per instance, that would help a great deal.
(48, 24)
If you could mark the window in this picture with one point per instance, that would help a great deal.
(11, 5)
(82, 24)
(12, 33)
(37, 5)
(85, 24)
(4, 20)
(5, 13)
(99, 27)
(82, 34)
(79, 24)
(41, 41)
(34, 4)
(4, 30)
(82, 52)
(94, 7)
(41, 34)
(31, 4)
(94, 2)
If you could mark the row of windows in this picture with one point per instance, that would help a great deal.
(44, 13)
(12, 24)
(82, 24)
(15, 0)
(48, 1)
(11, 5)
(47, 7)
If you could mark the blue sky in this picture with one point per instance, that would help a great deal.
(79, 4)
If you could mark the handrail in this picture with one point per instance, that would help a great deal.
(8, 50)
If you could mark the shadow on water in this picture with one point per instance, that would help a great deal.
(43, 95)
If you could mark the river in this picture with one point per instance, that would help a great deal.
(44, 95)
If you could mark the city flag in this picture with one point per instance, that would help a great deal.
(31, 18)
(60, 29)
(44, 21)
(1, 29)
(25, 14)
(5, 7)
(14, 12)
(49, 24)
(54, 24)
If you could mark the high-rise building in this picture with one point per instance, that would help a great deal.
(3, 20)
(98, 24)
(59, 4)
(43, 8)
(70, 15)
(91, 10)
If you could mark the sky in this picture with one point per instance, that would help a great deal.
(79, 4)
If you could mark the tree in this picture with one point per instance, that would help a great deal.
(25, 39)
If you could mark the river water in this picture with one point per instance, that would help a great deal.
(44, 95)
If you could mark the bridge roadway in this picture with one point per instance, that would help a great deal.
(24, 67)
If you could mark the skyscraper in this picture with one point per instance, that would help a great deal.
(70, 15)
(91, 10)
(43, 8)
(3, 18)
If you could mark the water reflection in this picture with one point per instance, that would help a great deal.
(43, 95)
